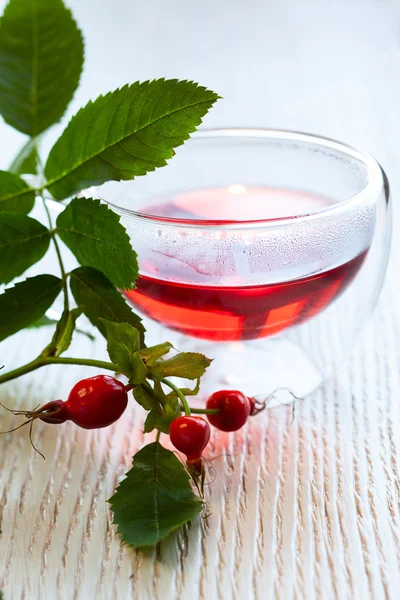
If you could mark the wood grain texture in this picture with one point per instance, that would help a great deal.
(308, 509)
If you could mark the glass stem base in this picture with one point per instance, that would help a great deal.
(276, 370)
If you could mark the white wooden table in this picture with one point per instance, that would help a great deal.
(306, 510)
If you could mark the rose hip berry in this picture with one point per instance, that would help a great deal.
(96, 402)
(190, 435)
(234, 408)
(92, 403)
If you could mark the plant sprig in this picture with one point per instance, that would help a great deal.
(119, 136)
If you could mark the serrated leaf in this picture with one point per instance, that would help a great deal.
(99, 299)
(23, 242)
(126, 133)
(154, 353)
(27, 160)
(145, 396)
(41, 58)
(62, 337)
(188, 365)
(93, 232)
(26, 302)
(123, 343)
(15, 194)
(155, 498)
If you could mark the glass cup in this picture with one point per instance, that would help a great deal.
(265, 250)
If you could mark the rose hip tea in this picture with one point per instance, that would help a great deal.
(238, 310)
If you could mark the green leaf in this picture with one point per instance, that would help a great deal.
(138, 373)
(26, 302)
(62, 337)
(99, 299)
(159, 393)
(123, 343)
(23, 242)
(15, 194)
(126, 133)
(155, 498)
(188, 365)
(166, 411)
(151, 355)
(163, 410)
(27, 160)
(46, 322)
(157, 420)
(93, 232)
(144, 395)
(41, 58)
(151, 420)
(43, 322)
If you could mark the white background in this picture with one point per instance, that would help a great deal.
(314, 66)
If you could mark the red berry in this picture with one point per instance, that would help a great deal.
(96, 402)
(190, 435)
(234, 409)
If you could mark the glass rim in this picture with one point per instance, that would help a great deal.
(373, 186)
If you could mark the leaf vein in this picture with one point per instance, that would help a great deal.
(93, 239)
(54, 180)
(24, 240)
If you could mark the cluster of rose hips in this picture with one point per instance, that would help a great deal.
(191, 434)
(101, 400)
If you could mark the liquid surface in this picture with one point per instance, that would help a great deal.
(239, 312)
(238, 203)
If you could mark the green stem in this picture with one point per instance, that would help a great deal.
(42, 361)
(203, 411)
(180, 395)
(32, 366)
(59, 257)
(84, 362)
(158, 436)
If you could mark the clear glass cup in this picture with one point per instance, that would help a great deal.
(266, 250)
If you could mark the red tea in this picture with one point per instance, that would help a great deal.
(239, 312)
